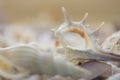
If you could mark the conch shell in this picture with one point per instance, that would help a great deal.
(30, 59)
(92, 50)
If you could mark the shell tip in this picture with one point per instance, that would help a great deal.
(98, 28)
(84, 18)
(66, 16)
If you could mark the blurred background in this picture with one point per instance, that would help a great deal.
(30, 10)
(46, 14)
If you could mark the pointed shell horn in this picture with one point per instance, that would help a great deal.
(66, 15)
(83, 21)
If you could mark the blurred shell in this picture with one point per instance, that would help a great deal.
(112, 43)
(19, 33)
(32, 60)
(8, 70)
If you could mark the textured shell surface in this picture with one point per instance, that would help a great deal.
(29, 58)
(112, 43)
(92, 50)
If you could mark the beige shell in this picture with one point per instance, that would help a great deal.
(92, 50)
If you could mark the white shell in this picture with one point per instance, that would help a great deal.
(92, 49)
(112, 43)
(8, 70)
(29, 58)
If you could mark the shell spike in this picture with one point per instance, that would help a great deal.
(98, 28)
(83, 21)
(66, 16)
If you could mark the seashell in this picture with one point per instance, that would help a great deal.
(92, 50)
(8, 70)
(112, 43)
(31, 60)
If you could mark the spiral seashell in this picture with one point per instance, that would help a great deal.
(31, 60)
(92, 50)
